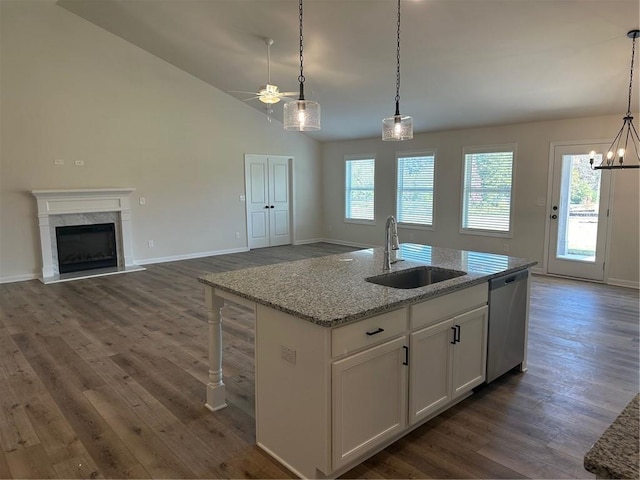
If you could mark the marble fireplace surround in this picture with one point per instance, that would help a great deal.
(84, 207)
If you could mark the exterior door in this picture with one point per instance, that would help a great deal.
(579, 213)
(267, 188)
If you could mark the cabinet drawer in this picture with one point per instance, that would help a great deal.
(368, 332)
(449, 305)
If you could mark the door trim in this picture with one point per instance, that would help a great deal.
(547, 223)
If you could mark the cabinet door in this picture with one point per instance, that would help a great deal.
(470, 353)
(369, 399)
(429, 370)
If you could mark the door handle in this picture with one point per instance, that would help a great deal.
(554, 216)
(455, 337)
(272, 206)
(458, 330)
(406, 355)
(266, 206)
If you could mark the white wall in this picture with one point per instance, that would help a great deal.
(530, 184)
(72, 91)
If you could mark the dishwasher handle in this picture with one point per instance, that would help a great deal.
(507, 279)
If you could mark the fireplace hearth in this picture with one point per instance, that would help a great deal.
(86, 247)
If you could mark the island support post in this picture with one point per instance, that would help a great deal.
(216, 395)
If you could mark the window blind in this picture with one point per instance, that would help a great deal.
(360, 189)
(414, 190)
(487, 191)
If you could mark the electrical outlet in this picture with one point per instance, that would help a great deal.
(79, 163)
(150, 244)
(505, 247)
(237, 235)
(143, 201)
(58, 161)
(288, 354)
(243, 198)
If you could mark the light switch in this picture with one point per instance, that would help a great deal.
(242, 198)
(79, 163)
(58, 161)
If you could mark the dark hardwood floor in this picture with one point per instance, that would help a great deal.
(105, 378)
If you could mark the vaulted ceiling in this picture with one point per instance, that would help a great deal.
(464, 63)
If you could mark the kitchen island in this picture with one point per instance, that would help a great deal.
(344, 367)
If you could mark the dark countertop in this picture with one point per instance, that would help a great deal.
(332, 290)
(615, 454)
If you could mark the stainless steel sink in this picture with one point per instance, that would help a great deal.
(415, 277)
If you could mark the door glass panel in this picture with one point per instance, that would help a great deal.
(579, 207)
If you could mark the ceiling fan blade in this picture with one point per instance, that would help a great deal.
(288, 94)
(240, 91)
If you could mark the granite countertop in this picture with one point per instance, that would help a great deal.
(615, 454)
(332, 290)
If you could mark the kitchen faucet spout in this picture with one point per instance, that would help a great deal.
(391, 242)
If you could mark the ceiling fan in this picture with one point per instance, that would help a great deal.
(268, 93)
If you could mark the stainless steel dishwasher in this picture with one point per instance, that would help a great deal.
(507, 319)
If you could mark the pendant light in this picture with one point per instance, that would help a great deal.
(398, 127)
(619, 148)
(301, 115)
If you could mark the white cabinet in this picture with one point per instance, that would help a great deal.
(447, 360)
(350, 390)
(469, 351)
(369, 399)
(430, 370)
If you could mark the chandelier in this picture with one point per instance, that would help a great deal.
(627, 138)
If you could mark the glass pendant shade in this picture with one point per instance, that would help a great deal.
(397, 128)
(302, 115)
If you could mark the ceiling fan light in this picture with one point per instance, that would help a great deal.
(302, 115)
(397, 128)
(269, 94)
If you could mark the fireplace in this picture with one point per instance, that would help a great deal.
(68, 215)
(86, 247)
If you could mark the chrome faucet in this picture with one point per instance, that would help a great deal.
(390, 241)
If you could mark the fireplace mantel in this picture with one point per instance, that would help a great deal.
(70, 205)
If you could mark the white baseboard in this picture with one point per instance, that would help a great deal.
(309, 240)
(19, 278)
(618, 282)
(189, 256)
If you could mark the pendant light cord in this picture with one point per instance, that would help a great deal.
(633, 55)
(398, 66)
(301, 77)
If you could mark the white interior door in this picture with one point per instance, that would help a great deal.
(579, 213)
(267, 197)
(278, 168)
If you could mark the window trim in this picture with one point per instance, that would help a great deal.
(511, 147)
(422, 153)
(351, 157)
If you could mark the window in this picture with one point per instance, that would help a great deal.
(487, 190)
(359, 191)
(414, 189)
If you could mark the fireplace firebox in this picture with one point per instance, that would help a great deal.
(86, 247)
